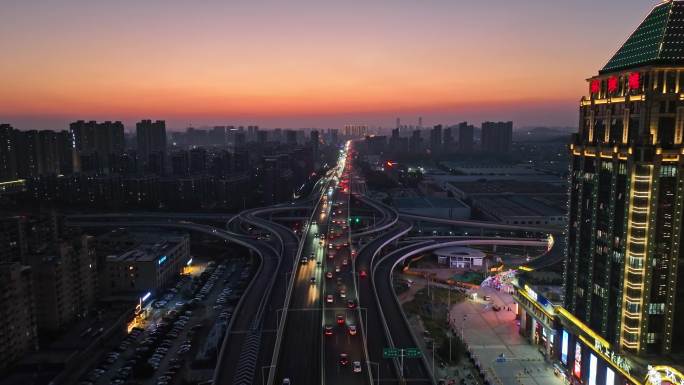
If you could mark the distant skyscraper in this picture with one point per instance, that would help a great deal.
(355, 130)
(416, 142)
(436, 139)
(466, 137)
(448, 139)
(98, 142)
(151, 138)
(291, 137)
(218, 136)
(497, 137)
(315, 143)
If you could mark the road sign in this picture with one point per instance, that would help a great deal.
(401, 353)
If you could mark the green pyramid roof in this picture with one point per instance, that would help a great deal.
(659, 39)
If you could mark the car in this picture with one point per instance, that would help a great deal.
(345, 262)
(318, 263)
(344, 359)
(328, 330)
(329, 275)
(329, 298)
(286, 381)
(343, 293)
(337, 269)
(312, 280)
(352, 330)
(357, 366)
(351, 304)
(340, 319)
(305, 260)
(363, 274)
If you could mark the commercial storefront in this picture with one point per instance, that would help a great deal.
(579, 354)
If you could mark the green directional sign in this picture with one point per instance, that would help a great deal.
(398, 353)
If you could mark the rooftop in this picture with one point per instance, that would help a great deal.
(518, 206)
(658, 40)
(152, 247)
(424, 202)
(507, 186)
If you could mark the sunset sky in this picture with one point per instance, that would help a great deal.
(304, 63)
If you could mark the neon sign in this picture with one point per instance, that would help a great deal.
(578, 361)
(616, 359)
(612, 84)
(634, 81)
(595, 86)
(145, 297)
(162, 260)
(658, 374)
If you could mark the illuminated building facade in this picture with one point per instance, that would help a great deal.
(152, 264)
(624, 274)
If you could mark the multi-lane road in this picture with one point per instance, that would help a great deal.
(322, 307)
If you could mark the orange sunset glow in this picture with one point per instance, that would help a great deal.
(278, 61)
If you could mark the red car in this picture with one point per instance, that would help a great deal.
(328, 330)
(340, 319)
(363, 274)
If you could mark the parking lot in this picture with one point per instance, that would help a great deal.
(182, 329)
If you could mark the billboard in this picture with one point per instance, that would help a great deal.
(577, 370)
(564, 348)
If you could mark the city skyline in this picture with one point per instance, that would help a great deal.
(304, 65)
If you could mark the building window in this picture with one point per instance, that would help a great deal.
(668, 171)
(656, 308)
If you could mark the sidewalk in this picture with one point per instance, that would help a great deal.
(488, 334)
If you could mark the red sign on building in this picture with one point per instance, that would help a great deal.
(595, 86)
(634, 81)
(612, 84)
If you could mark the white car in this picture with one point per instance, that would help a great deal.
(357, 366)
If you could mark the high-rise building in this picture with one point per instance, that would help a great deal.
(416, 142)
(436, 139)
(198, 161)
(355, 130)
(466, 137)
(448, 139)
(180, 163)
(64, 282)
(217, 136)
(151, 140)
(497, 137)
(8, 153)
(17, 311)
(97, 144)
(314, 140)
(13, 240)
(622, 311)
